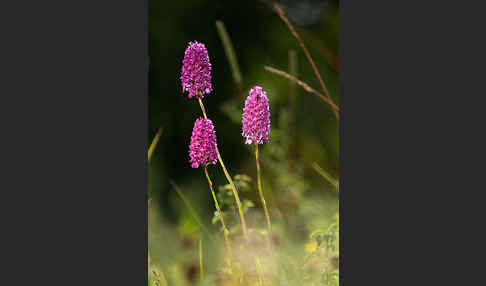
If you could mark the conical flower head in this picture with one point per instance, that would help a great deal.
(202, 149)
(256, 117)
(196, 70)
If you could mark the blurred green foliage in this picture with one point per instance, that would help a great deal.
(304, 133)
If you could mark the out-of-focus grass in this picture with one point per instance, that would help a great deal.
(154, 143)
(230, 53)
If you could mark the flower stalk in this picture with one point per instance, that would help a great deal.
(255, 130)
(220, 216)
(260, 192)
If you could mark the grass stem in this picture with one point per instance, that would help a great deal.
(303, 85)
(201, 266)
(154, 143)
(293, 66)
(326, 176)
(230, 53)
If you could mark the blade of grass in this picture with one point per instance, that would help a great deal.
(201, 268)
(293, 69)
(316, 43)
(230, 53)
(326, 176)
(304, 85)
(154, 143)
(190, 208)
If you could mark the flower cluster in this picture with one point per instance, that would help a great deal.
(196, 71)
(196, 80)
(202, 149)
(256, 117)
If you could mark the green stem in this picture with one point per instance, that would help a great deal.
(201, 269)
(237, 198)
(220, 214)
(262, 198)
(201, 104)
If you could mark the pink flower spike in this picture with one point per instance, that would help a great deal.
(202, 149)
(256, 117)
(196, 71)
